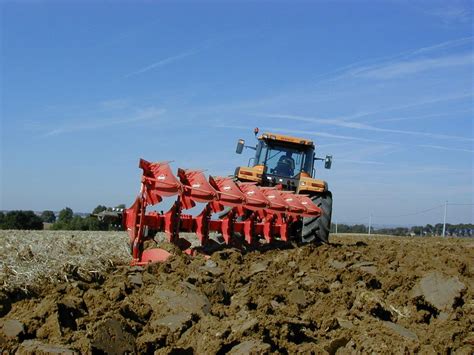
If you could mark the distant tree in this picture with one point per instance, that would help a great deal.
(429, 229)
(2, 218)
(359, 228)
(345, 228)
(93, 224)
(67, 221)
(417, 230)
(77, 223)
(438, 229)
(65, 215)
(451, 229)
(21, 220)
(99, 209)
(121, 206)
(58, 225)
(48, 217)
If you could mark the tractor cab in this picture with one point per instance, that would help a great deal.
(280, 159)
(283, 158)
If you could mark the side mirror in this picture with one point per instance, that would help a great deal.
(240, 146)
(328, 162)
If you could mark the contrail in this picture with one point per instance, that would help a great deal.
(163, 62)
(361, 126)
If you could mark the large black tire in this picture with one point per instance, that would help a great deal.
(317, 228)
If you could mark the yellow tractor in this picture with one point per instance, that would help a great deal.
(289, 162)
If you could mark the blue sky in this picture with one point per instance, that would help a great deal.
(386, 87)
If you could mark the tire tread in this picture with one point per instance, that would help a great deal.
(317, 228)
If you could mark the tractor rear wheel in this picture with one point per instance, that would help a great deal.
(317, 228)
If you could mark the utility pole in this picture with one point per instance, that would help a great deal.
(370, 222)
(444, 220)
(336, 225)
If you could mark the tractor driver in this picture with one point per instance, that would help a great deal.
(286, 164)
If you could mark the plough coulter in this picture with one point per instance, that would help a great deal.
(258, 214)
(275, 199)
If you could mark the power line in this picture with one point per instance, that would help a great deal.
(410, 214)
(444, 219)
(445, 205)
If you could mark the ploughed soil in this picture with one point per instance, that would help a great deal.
(358, 294)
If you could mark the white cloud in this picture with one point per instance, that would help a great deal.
(348, 69)
(407, 67)
(422, 117)
(445, 45)
(114, 104)
(446, 148)
(453, 13)
(356, 161)
(98, 123)
(419, 102)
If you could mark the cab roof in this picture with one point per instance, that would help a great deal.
(286, 139)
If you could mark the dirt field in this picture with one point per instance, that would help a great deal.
(359, 294)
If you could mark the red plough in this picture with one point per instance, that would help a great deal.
(256, 213)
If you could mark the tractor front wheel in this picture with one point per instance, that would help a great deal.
(317, 228)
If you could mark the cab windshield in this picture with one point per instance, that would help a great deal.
(284, 160)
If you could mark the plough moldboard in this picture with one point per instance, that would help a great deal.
(259, 214)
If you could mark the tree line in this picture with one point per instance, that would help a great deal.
(65, 220)
(459, 230)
